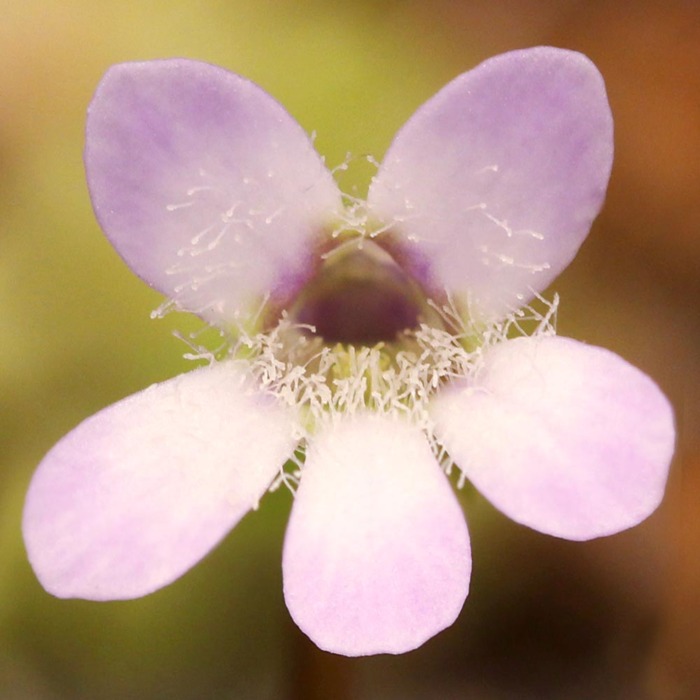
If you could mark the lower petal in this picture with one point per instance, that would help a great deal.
(564, 437)
(141, 491)
(376, 556)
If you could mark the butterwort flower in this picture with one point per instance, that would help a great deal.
(373, 346)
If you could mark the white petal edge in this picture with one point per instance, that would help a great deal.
(564, 437)
(141, 491)
(376, 556)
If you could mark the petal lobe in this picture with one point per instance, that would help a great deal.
(205, 185)
(491, 186)
(376, 556)
(141, 491)
(564, 437)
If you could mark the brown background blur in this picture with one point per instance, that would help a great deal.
(613, 618)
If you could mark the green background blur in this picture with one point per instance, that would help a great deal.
(613, 618)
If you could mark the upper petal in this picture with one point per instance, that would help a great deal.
(205, 185)
(138, 493)
(492, 185)
(564, 437)
(376, 557)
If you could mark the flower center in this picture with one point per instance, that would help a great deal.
(361, 336)
(361, 297)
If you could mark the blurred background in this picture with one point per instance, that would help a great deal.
(612, 618)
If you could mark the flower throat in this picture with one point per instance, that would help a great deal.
(360, 297)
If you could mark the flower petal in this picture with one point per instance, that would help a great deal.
(376, 557)
(491, 187)
(205, 185)
(140, 492)
(564, 437)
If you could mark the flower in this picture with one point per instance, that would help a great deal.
(376, 344)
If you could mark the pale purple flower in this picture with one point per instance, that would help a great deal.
(378, 343)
